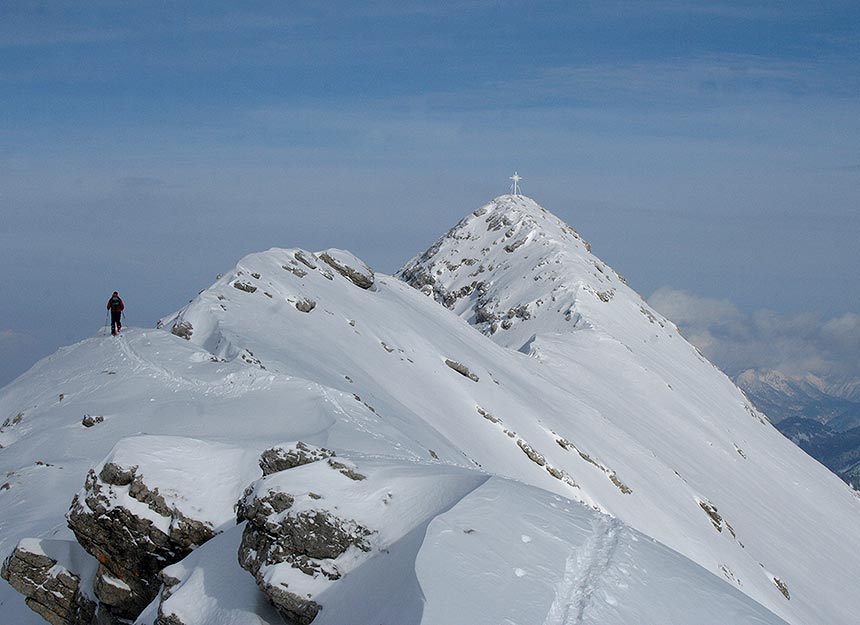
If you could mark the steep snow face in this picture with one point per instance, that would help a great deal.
(608, 406)
(658, 412)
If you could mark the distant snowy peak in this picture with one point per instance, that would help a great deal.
(515, 270)
(809, 384)
(761, 380)
(846, 388)
(783, 396)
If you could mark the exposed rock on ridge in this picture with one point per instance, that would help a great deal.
(51, 589)
(131, 545)
(288, 529)
(140, 511)
(349, 267)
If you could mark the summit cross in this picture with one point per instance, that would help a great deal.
(516, 186)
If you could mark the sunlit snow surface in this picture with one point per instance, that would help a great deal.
(593, 398)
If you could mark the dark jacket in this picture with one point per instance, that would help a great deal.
(115, 304)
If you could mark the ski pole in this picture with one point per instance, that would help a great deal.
(106, 321)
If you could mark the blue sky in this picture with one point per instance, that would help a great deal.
(707, 147)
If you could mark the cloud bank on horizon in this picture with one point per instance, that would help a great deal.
(793, 343)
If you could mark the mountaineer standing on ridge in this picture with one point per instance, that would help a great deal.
(115, 306)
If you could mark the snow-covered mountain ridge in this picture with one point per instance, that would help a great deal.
(573, 390)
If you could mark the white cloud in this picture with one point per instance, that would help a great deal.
(796, 343)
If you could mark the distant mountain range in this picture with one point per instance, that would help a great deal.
(781, 396)
(820, 416)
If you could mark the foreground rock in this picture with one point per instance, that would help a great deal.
(311, 525)
(49, 574)
(209, 587)
(291, 455)
(143, 509)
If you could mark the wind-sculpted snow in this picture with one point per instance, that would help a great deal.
(308, 527)
(418, 543)
(548, 374)
(537, 558)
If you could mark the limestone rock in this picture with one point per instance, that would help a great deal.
(130, 542)
(44, 572)
(348, 266)
(183, 329)
(302, 257)
(307, 541)
(290, 455)
(293, 607)
(305, 305)
(291, 532)
(90, 420)
(244, 286)
(138, 512)
(461, 369)
(533, 455)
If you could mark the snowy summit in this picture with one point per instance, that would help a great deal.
(502, 432)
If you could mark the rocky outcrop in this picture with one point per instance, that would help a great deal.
(182, 329)
(349, 267)
(291, 455)
(309, 526)
(305, 305)
(783, 588)
(461, 369)
(50, 588)
(528, 450)
(244, 286)
(129, 528)
(292, 538)
(90, 420)
(307, 541)
(142, 509)
(302, 257)
(312, 519)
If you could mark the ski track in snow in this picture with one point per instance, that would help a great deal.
(227, 386)
(142, 364)
(583, 571)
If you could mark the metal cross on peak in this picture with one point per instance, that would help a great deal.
(515, 188)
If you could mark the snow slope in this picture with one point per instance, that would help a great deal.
(581, 393)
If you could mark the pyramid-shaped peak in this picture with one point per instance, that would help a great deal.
(509, 199)
(515, 270)
(499, 228)
(519, 210)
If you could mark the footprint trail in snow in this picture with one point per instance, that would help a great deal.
(583, 573)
